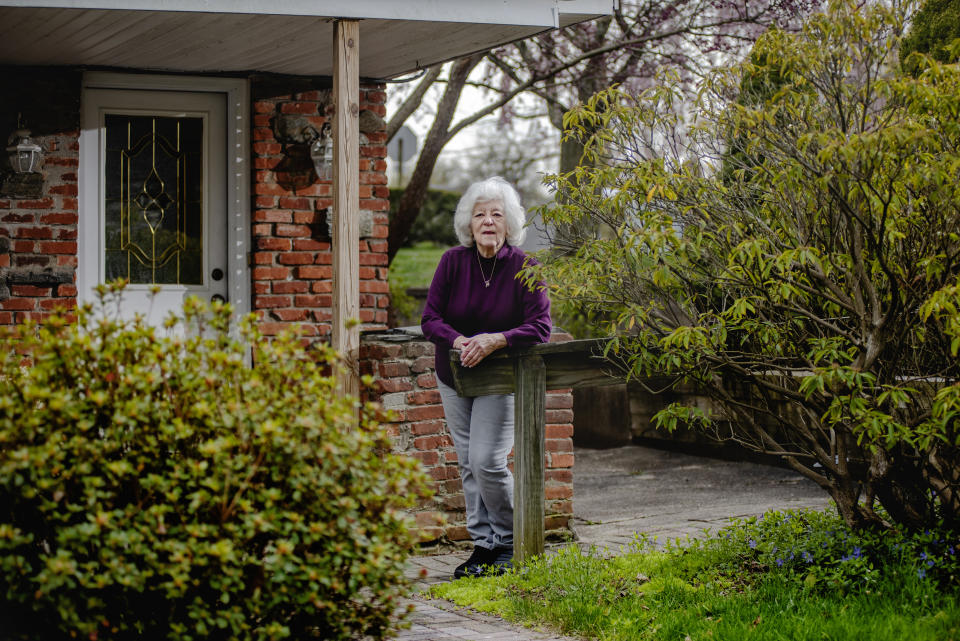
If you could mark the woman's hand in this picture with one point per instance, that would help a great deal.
(476, 348)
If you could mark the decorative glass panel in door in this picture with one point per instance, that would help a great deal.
(153, 223)
(158, 219)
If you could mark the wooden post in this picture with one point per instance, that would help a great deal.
(346, 201)
(530, 416)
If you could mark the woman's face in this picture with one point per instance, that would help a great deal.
(488, 226)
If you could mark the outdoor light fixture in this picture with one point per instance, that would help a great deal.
(25, 155)
(321, 153)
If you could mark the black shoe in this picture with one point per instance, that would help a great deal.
(474, 566)
(501, 561)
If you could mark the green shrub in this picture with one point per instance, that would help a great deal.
(817, 550)
(435, 222)
(156, 484)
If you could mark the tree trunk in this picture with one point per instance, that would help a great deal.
(415, 193)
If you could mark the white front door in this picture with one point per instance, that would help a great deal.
(155, 211)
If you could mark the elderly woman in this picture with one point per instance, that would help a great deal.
(477, 304)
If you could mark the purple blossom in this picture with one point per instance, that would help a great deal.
(752, 544)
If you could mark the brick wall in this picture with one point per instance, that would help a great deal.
(291, 261)
(405, 384)
(38, 212)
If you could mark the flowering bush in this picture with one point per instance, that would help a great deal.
(161, 486)
(818, 549)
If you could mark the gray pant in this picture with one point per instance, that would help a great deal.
(482, 431)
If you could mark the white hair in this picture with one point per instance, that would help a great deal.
(495, 188)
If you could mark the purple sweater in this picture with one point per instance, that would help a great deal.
(458, 303)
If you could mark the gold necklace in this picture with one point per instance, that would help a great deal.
(486, 281)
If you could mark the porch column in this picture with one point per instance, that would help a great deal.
(346, 200)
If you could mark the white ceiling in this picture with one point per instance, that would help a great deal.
(228, 37)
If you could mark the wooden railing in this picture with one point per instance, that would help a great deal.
(529, 372)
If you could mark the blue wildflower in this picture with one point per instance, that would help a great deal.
(931, 563)
(923, 556)
(921, 573)
(856, 553)
(752, 544)
(779, 563)
(807, 557)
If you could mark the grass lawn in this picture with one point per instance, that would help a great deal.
(414, 266)
(793, 575)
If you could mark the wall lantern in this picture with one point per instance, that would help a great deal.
(25, 155)
(321, 153)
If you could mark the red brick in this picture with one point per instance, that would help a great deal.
(264, 107)
(559, 445)
(6, 318)
(276, 244)
(424, 398)
(268, 302)
(426, 458)
(560, 507)
(272, 216)
(289, 287)
(299, 108)
(444, 472)
(310, 245)
(289, 202)
(69, 204)
(559, 401)
(58, 247)
(391, 370)
(559, 431)
(37, 233)
(422, 364)
(67, 290)
(426, 427)
(558, 492)
(321, 286)
(67, 261)
(43, 203)
(59, 219)
(66, 233)
(295, 258)
(18, 304)
(271, 273)
(559, 476)
(314, 300)
(291, 315)
(321, 315)
(559, 416)
(427, 380)
(263, 258)
(30, 290)
(293, 230)
(394, 385)
(61, 162)
(317, 272)
(424, 412)
(16, 217)
(561, 460)
(267, 148)
(57, 303)
(63, 190)
(426, 443)
(368, 258)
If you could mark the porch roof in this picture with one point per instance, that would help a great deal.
(280, 36)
